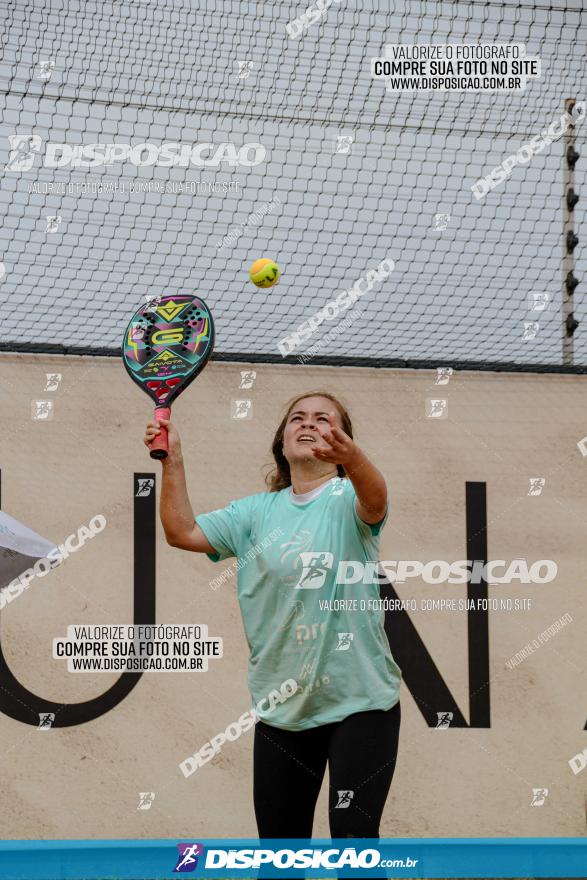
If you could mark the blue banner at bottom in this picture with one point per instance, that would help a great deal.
(519, 857)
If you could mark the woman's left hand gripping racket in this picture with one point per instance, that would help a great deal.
(166, 344)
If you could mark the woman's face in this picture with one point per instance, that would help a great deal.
(302, 433)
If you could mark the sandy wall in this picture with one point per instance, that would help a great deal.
(84, 780)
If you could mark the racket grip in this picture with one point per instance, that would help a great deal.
(158, 448)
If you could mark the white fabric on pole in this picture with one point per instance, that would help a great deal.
(20, 548)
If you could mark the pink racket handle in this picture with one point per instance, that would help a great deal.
(158, 448)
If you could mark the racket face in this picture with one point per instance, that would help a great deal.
(167, 343)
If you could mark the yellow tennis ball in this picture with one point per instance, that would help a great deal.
(264, 273)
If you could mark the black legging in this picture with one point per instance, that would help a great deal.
(289, 766)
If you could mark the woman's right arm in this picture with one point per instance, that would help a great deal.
(175, 510)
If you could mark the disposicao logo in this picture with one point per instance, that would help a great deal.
(169, 154)
(188, 857)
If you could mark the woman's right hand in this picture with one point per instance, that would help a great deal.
(173, 439)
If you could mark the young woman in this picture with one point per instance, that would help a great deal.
(327, 503)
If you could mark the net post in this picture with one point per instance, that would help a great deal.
(569, 323)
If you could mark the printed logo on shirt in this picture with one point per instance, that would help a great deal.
(295, 612)
(304, 632)
(315, 566)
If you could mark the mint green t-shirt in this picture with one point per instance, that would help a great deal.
(288, 557)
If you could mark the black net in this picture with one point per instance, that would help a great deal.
(345, 176)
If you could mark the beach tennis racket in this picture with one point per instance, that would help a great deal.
(167, 343)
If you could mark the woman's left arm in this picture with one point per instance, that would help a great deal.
(369, 486)
(368, 482)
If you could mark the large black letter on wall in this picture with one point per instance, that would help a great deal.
(21, 704)
(420, 673)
